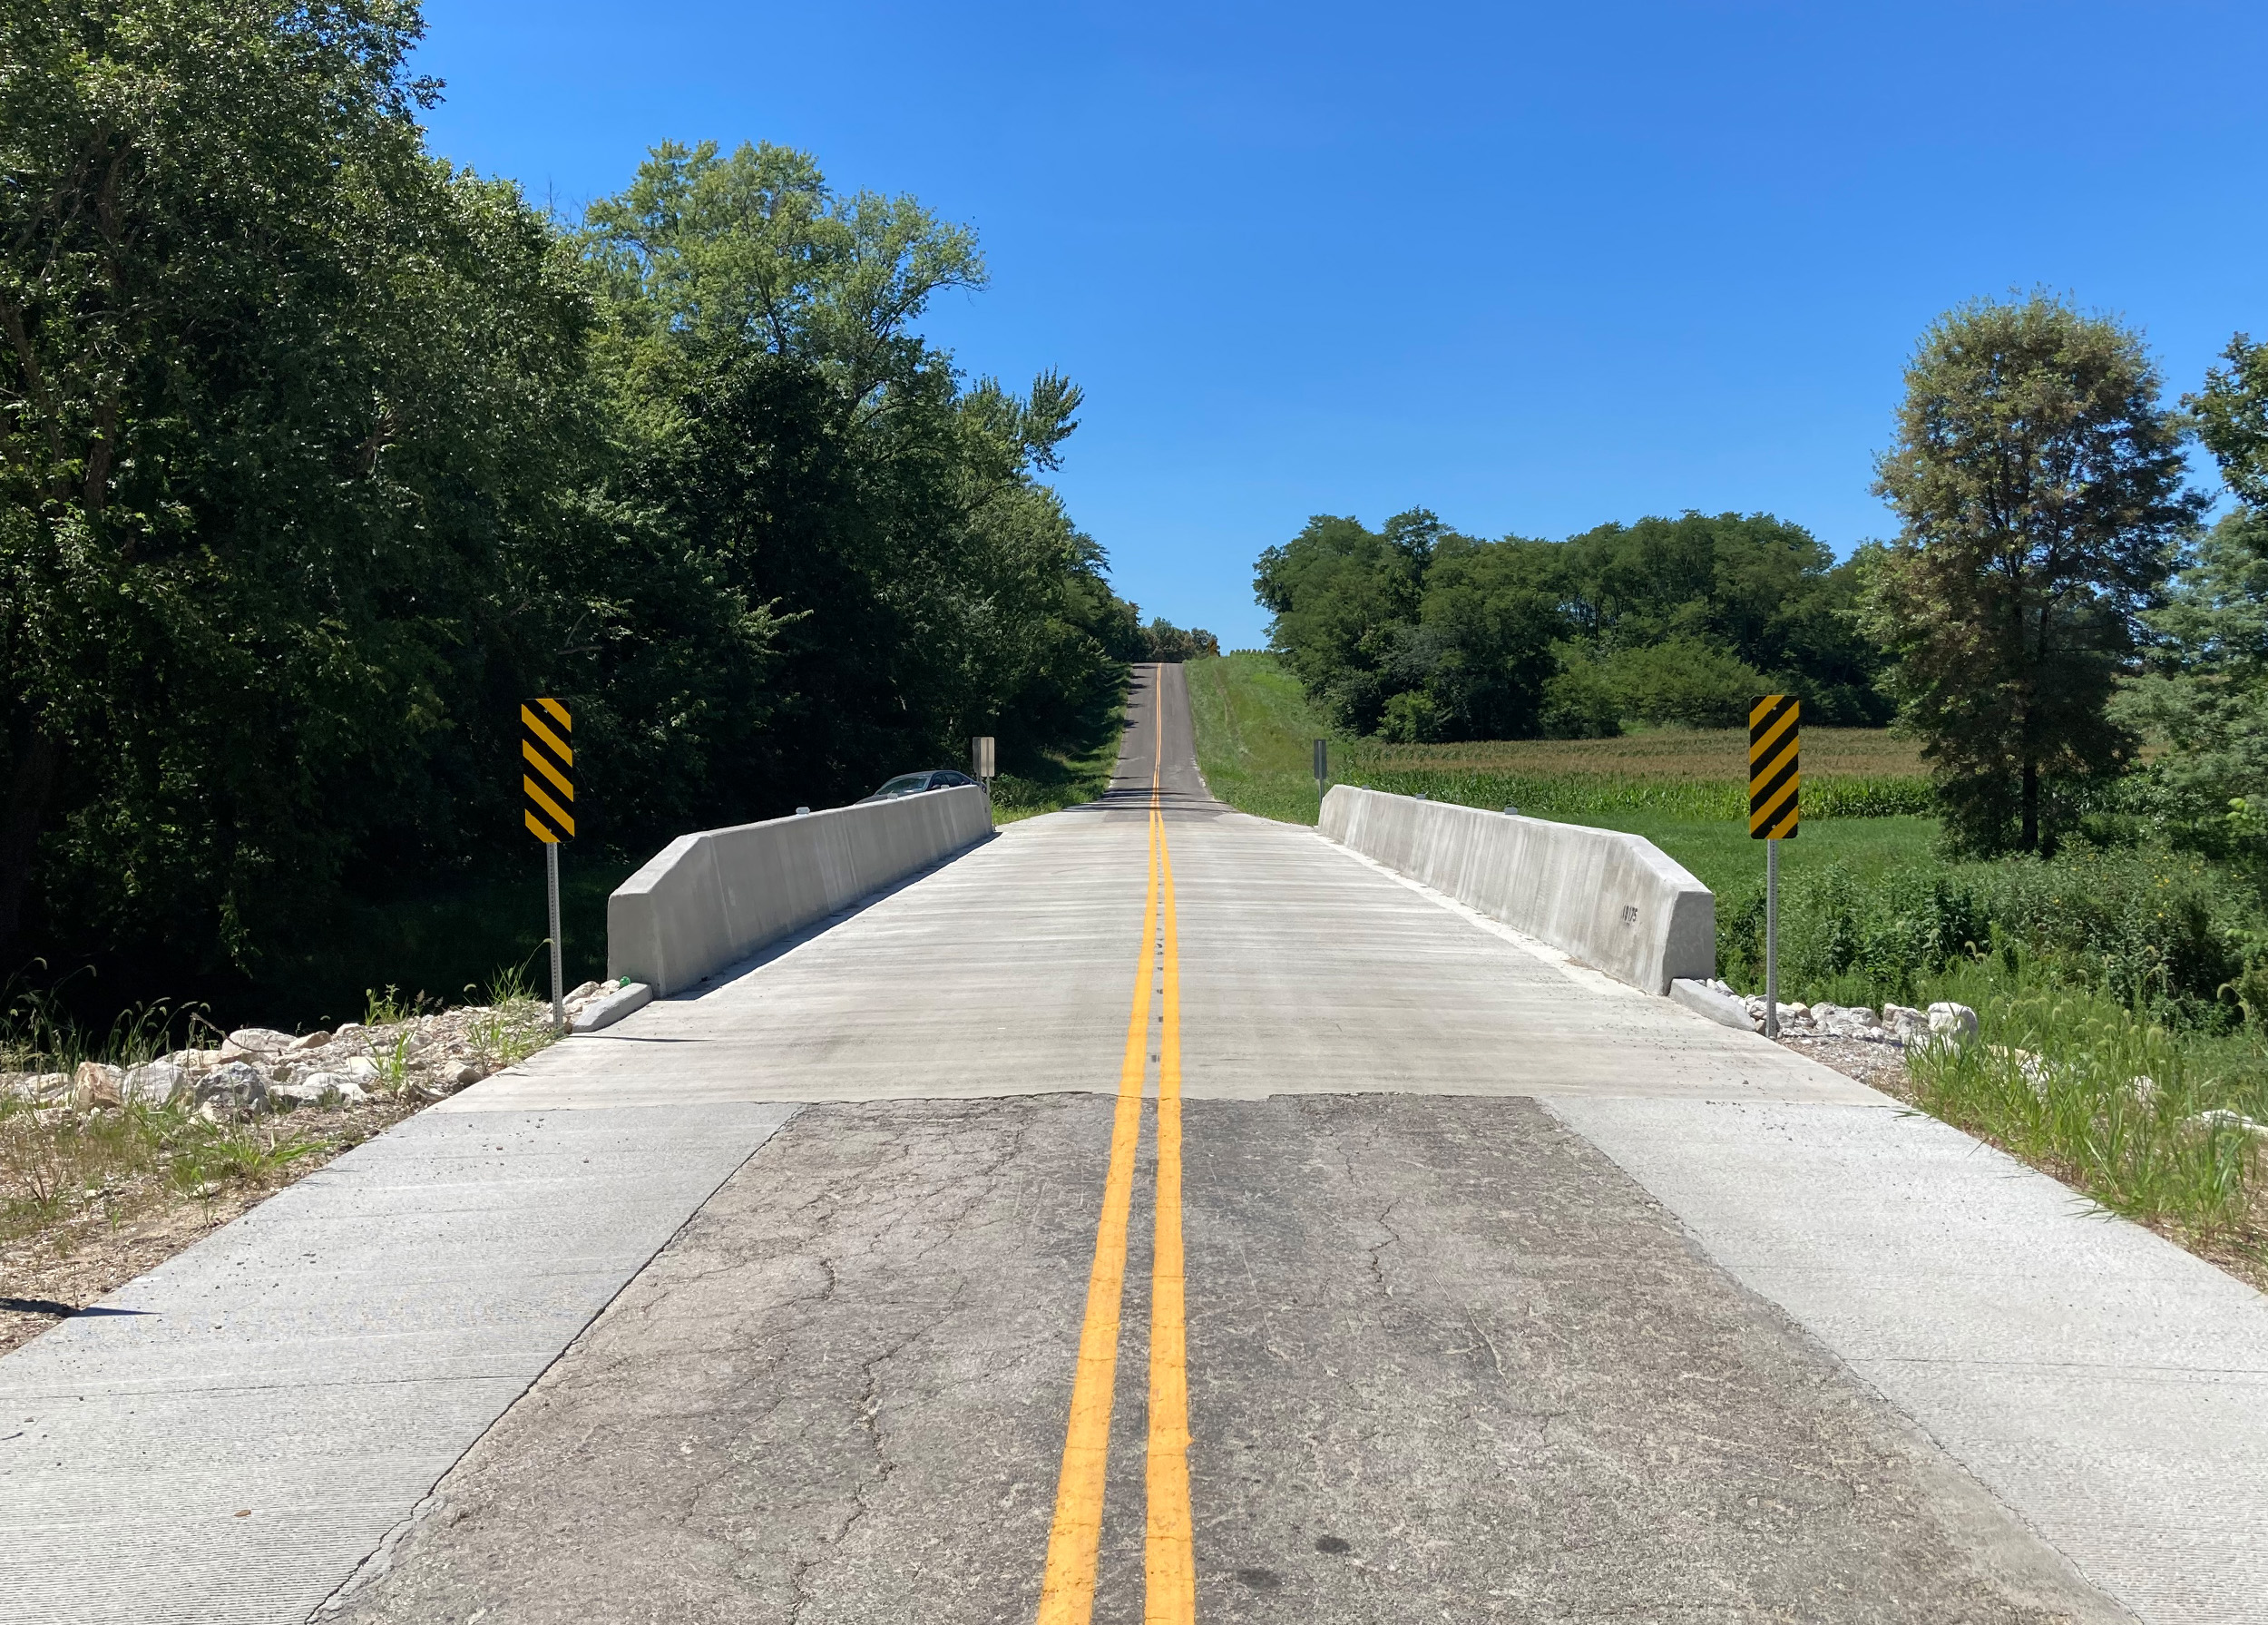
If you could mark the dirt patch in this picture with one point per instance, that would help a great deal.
(1877, 1065)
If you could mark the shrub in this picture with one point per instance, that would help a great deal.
(1684, 680)
(2154, 931)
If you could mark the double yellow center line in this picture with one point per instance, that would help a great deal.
(1067, 1592)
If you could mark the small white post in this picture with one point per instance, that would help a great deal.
(1772, 937)
(551, 884)
(1323, 768)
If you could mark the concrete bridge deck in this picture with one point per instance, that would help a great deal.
(1507, 1292)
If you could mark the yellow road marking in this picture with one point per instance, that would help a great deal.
(1067, 1591)
(1169, 1596)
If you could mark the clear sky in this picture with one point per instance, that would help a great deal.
(1535, 268)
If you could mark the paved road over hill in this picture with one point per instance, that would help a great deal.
(1155, 1213)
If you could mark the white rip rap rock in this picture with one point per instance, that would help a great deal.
(317, 1089)
(235, 1088)
(2221, 1117)
(155, 1082)
(1951, 1026)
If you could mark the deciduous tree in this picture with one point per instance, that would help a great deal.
(2038, 484)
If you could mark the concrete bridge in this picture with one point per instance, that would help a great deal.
(1154, 1212)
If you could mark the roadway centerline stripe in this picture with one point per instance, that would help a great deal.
(1067, 1590)
(1169, 1594)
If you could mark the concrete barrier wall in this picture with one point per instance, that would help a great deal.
(1614, 901)
(707, 899)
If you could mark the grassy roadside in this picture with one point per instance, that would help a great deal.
(1057, 781)
(1052, 780)
(1255, 735)
(2087, 974)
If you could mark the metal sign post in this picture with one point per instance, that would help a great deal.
(1773, 816)
(1323, 768)
(980, 761)
(550, 893)
(547, 783)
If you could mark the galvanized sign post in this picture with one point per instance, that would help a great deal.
(1323, 768)
(547, 781)
(1773, 816)
(980, 761)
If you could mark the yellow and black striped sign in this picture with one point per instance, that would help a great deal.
(1773, 780)
(547, 770)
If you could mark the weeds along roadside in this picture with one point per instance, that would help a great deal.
(2149, 1122)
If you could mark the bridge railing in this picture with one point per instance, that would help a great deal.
(1615, 901)
(710, 898)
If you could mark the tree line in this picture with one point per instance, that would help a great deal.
(1417, 632)
(2052, 599)
(317, 455)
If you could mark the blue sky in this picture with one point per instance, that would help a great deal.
(1534, 267)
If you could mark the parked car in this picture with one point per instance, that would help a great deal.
(914, 784)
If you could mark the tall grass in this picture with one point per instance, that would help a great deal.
(2143, 1118)
(515, 1021)
(2166, 934)
(56, 1163)
(38, 1032)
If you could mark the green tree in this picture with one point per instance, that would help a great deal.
(1163, 641)
(1343, 599)
(783, 413)
(283, 404)
(1765, 593)
(2232, 419)
(2038, 484)
(316, 456)
(2205, 695)
(2206, 692)
(1480, 659)
(1423, 633)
